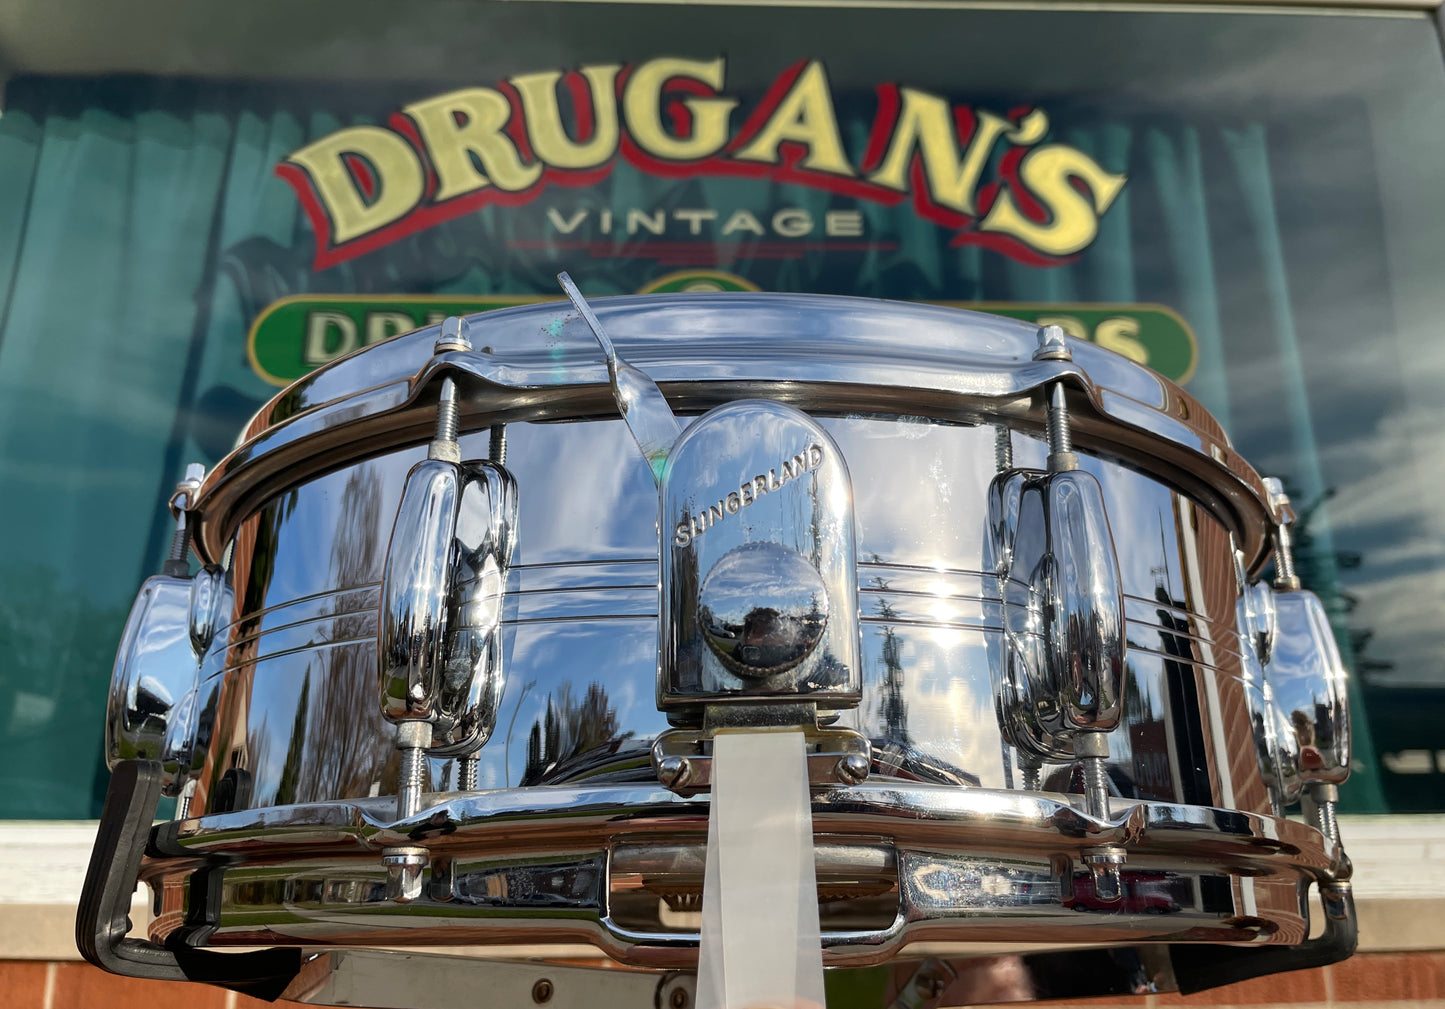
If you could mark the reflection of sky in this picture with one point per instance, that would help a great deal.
(586, 495)
(275, 693)
(1353, 290)
(548, 660)
(1141, 520)
(919, 489)
(1380, 452)
(585, 491)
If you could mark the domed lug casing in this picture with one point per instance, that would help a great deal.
(759, 570)
(440, 655)
(1308, 681)
(1083, 595)
(472, 674)
(1026, 700)
(211, 604)
(1260, 621)
(155, 669)
(1255, 618)
(1063, 665)
(1263, 722)
(416, 592)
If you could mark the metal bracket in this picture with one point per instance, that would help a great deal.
(1198, 966)
(682, 758)
(102, 920)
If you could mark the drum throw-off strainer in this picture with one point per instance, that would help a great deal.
(758, 649)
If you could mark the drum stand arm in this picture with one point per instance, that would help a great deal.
(1198, 966)
(103, 920)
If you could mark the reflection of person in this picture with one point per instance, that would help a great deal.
(764, 626)
(977, 981)
(1304, 729)
(1310, 758)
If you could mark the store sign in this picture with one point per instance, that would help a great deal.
(297, 335)
(992, 178)
(1153, 335)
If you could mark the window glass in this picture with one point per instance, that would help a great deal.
(1249, 202)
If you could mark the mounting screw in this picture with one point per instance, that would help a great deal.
(1052, 346)
(453, 335)
(674, 772)
(852, 769)
(1285, 577)
(404, 868)
(1104, 864)
(542, 991)
(674, 991)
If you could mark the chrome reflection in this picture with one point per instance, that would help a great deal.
(579, 621)
(1062, 674)
(151, 708)
(758, 540)
(301, 872)
(762, 608)
(1308, 679)
(155, 669)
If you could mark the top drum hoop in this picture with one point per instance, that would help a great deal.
(828, 354)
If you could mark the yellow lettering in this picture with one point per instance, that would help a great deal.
(805, 116)
(642, 109)
(655, 222)
(1046, 173)
(457, 125)
(329, 335)
(793, 222)
(398, 171)
(1121, 335)
(543, 114)
(742, 220)
(925, 124)
(384, 325)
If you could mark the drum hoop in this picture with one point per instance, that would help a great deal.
(302, 433)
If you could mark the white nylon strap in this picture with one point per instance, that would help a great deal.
(760, 947)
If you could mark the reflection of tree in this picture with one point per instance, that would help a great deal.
(291, 770)
(894, 709)
(348, 744)
(253, 579)
(570, 730)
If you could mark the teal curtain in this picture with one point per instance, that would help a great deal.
(115, 203)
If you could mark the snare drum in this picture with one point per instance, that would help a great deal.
(1049, 672)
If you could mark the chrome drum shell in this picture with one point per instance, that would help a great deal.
(293, 682)
(296, 766)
